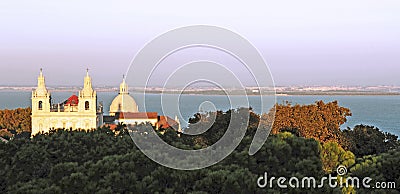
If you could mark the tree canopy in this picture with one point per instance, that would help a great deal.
(18, 120)
(367, 140)
(320, 121)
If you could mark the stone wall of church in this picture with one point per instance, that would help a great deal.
(63, 120)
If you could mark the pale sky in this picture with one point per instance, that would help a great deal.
(304, 42)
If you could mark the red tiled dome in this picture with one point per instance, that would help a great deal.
(72, 101)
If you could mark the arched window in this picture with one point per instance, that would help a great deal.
(40, 105)
(87, 105)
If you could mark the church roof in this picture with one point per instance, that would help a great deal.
(137, 115)
(123, 103)
(165, 122)
(72, 101)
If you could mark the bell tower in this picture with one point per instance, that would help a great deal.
(87, 96)
(40, 105)
(41, 96)
(123, 87)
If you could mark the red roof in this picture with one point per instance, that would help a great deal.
(112, 126)
(72, 101)
(165, 122)
(137, 115)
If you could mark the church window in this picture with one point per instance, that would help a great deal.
(40, 105)
(87, 105)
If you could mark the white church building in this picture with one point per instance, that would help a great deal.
(78, 112)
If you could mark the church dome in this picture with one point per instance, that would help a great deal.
(123, 102)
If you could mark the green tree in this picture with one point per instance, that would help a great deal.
(368, 140)
(332, 155)
(383, 167)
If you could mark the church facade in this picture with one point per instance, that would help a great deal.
(78, 112)
(82, 112)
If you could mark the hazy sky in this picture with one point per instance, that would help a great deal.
(304, 42)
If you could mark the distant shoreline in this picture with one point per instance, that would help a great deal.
(217, 92)
(339, 94)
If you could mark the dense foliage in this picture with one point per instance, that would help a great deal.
(320, 121)
(368, 140)
(105, 161)
(383, 167)
(100, 161)
(18, 120)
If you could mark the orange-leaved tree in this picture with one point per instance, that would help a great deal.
(320, 121)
